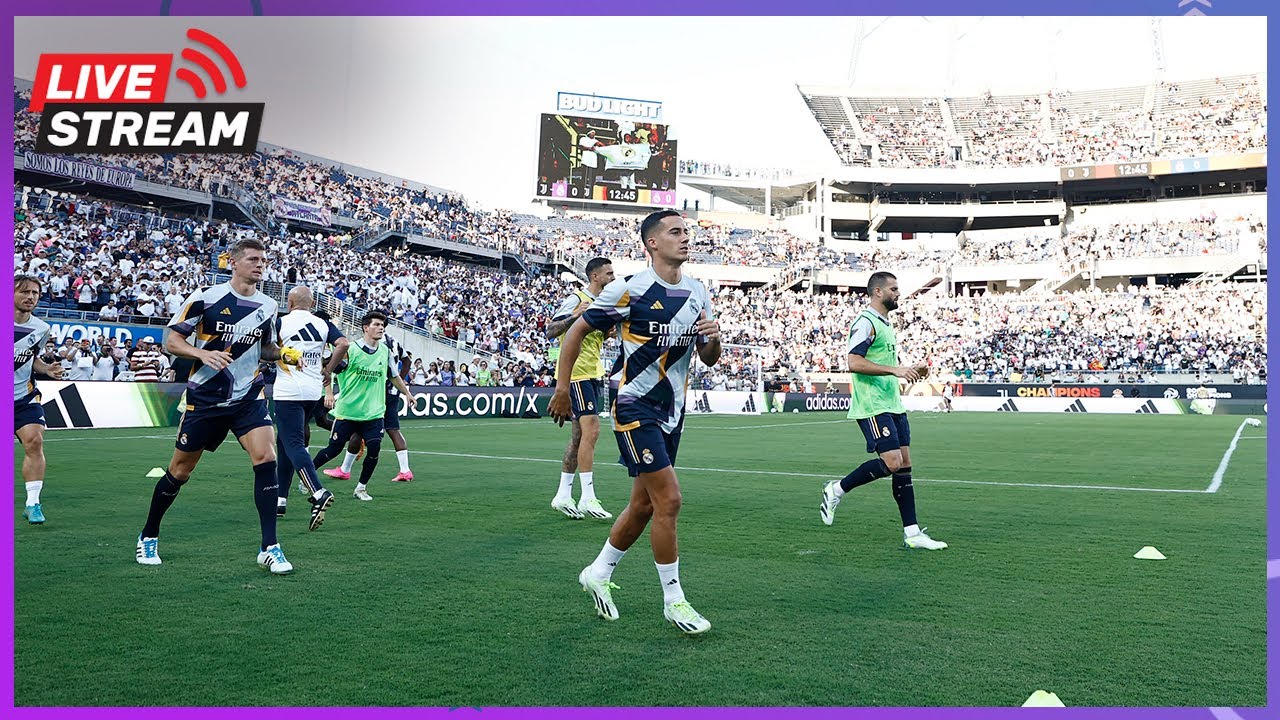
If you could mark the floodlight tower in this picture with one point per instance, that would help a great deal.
(1157, 48)
(860, 35)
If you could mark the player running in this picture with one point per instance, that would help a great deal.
(297, 392)
(876, 403)
(584, 397)
(663, 314)
(29, 333)
(234, 326)
(362, 406)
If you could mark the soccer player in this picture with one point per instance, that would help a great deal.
(584, 396)
(362, 406)
(391, 425)
(663, 314)
(947, 393)
(297, 391)
(29, 333)
(234, 325)
(876, 404)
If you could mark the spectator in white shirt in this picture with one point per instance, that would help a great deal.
(146, 302)
(173, 301)
(82, 357)
(104, 365)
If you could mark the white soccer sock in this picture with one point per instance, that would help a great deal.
(316, 495)
(280, 502)
(838, 490)
(669, 575)
(588, 486)
(910, 530)
(566, 486)
(348, 462)
(403, 457)
(33, 492)
(606, 561)
(361, 487)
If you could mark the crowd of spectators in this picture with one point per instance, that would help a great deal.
(728, 170)
(912, 137)
(132, 264)
(1128, 330)
(126, 264)
(1191, 119)
(1223, 117)
(1005, 133)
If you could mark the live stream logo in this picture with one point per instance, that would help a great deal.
(114, 103)
(97, 78)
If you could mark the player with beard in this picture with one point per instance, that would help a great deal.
(876, 403)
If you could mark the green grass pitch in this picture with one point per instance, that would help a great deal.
(459, 589)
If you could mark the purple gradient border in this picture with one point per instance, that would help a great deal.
(653, 7)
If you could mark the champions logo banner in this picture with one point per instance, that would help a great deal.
(300, 211)
(115, 102)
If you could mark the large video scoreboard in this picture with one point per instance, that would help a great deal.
(606, 160)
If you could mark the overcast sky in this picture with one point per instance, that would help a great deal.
(454, 102)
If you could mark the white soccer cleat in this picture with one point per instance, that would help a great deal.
(273, 559)
(362, 495)
(566, 506)
(920, 541)
(829, 502)
(148, 551)
(593, 508)
(682, 615)
(600, 592)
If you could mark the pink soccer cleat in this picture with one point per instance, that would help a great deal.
(337, 473)
(405, 476)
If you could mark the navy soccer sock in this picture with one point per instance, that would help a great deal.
(264, 496)
(905, 495)
(864, 473)
(370, 461)
(162, 498)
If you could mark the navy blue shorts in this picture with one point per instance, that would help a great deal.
(368, 430)
(28, 413)
(292, 417)
(584, 395)
(647, 448)
(885, 432)
(391, 420)
(206, 428)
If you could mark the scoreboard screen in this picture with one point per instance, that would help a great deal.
(1153, 168)
(606, 160)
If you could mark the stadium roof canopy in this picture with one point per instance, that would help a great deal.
(752, 192)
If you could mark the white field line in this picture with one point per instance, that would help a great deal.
(825, 477)
(1226, 458)
(773, 425)
(1214, 485)
(55, 438)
